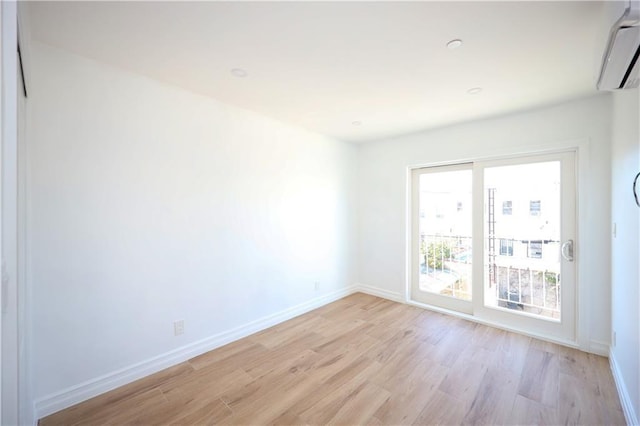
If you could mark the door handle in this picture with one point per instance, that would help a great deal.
(567, 250)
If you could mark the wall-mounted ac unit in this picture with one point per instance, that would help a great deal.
(620, 64)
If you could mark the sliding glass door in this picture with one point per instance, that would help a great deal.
(442, 251)
(495, 239)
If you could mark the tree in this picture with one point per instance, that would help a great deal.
(435, 253)
(551, 277)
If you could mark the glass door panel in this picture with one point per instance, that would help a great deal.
(522, 238)
(528, 231)
(443, 256)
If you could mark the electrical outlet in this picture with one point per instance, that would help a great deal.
(178, 327)
(316, 285)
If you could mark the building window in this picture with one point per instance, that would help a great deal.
(506, 208)
(535, 249)
(506, 247)
(534, 208)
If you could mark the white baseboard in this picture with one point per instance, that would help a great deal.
(625, 400)
(91, 388)
(599, 348)
(385, 294)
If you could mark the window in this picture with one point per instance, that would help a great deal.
(534, 208)
(506, 247)
(535, 249)
(506, 208)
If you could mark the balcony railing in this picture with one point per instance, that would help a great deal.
(445, 265)
(529, 290)
(519, 283)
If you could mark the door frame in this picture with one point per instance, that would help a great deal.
(447, 302)
(580, 148)
(565, 329)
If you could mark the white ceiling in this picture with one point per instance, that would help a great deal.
(324, 65)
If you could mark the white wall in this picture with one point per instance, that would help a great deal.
(150, 204)
(383, 194)
(10, 327)
(625, 249)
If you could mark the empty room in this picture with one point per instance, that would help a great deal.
(320, 212)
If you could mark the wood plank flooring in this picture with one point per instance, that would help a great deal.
(366, 360)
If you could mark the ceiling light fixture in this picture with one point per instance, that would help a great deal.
(474, 90)
(239, 72)
(454, 44)
(357, 123)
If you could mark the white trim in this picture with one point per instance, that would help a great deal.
(408, 236)
(379, 292)
(625, 399)
(83, 391)
(25, 403)
(599, 348)
(515, 152)
(10, 358)
(583, 283)
(2, 126)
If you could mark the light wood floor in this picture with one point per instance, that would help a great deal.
(365, 360)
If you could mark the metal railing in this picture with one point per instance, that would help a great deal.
(445, 265)
(529, 290)
(445, 268)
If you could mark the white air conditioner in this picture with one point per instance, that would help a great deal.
(620, 64)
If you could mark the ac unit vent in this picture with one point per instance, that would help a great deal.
(620, 65)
